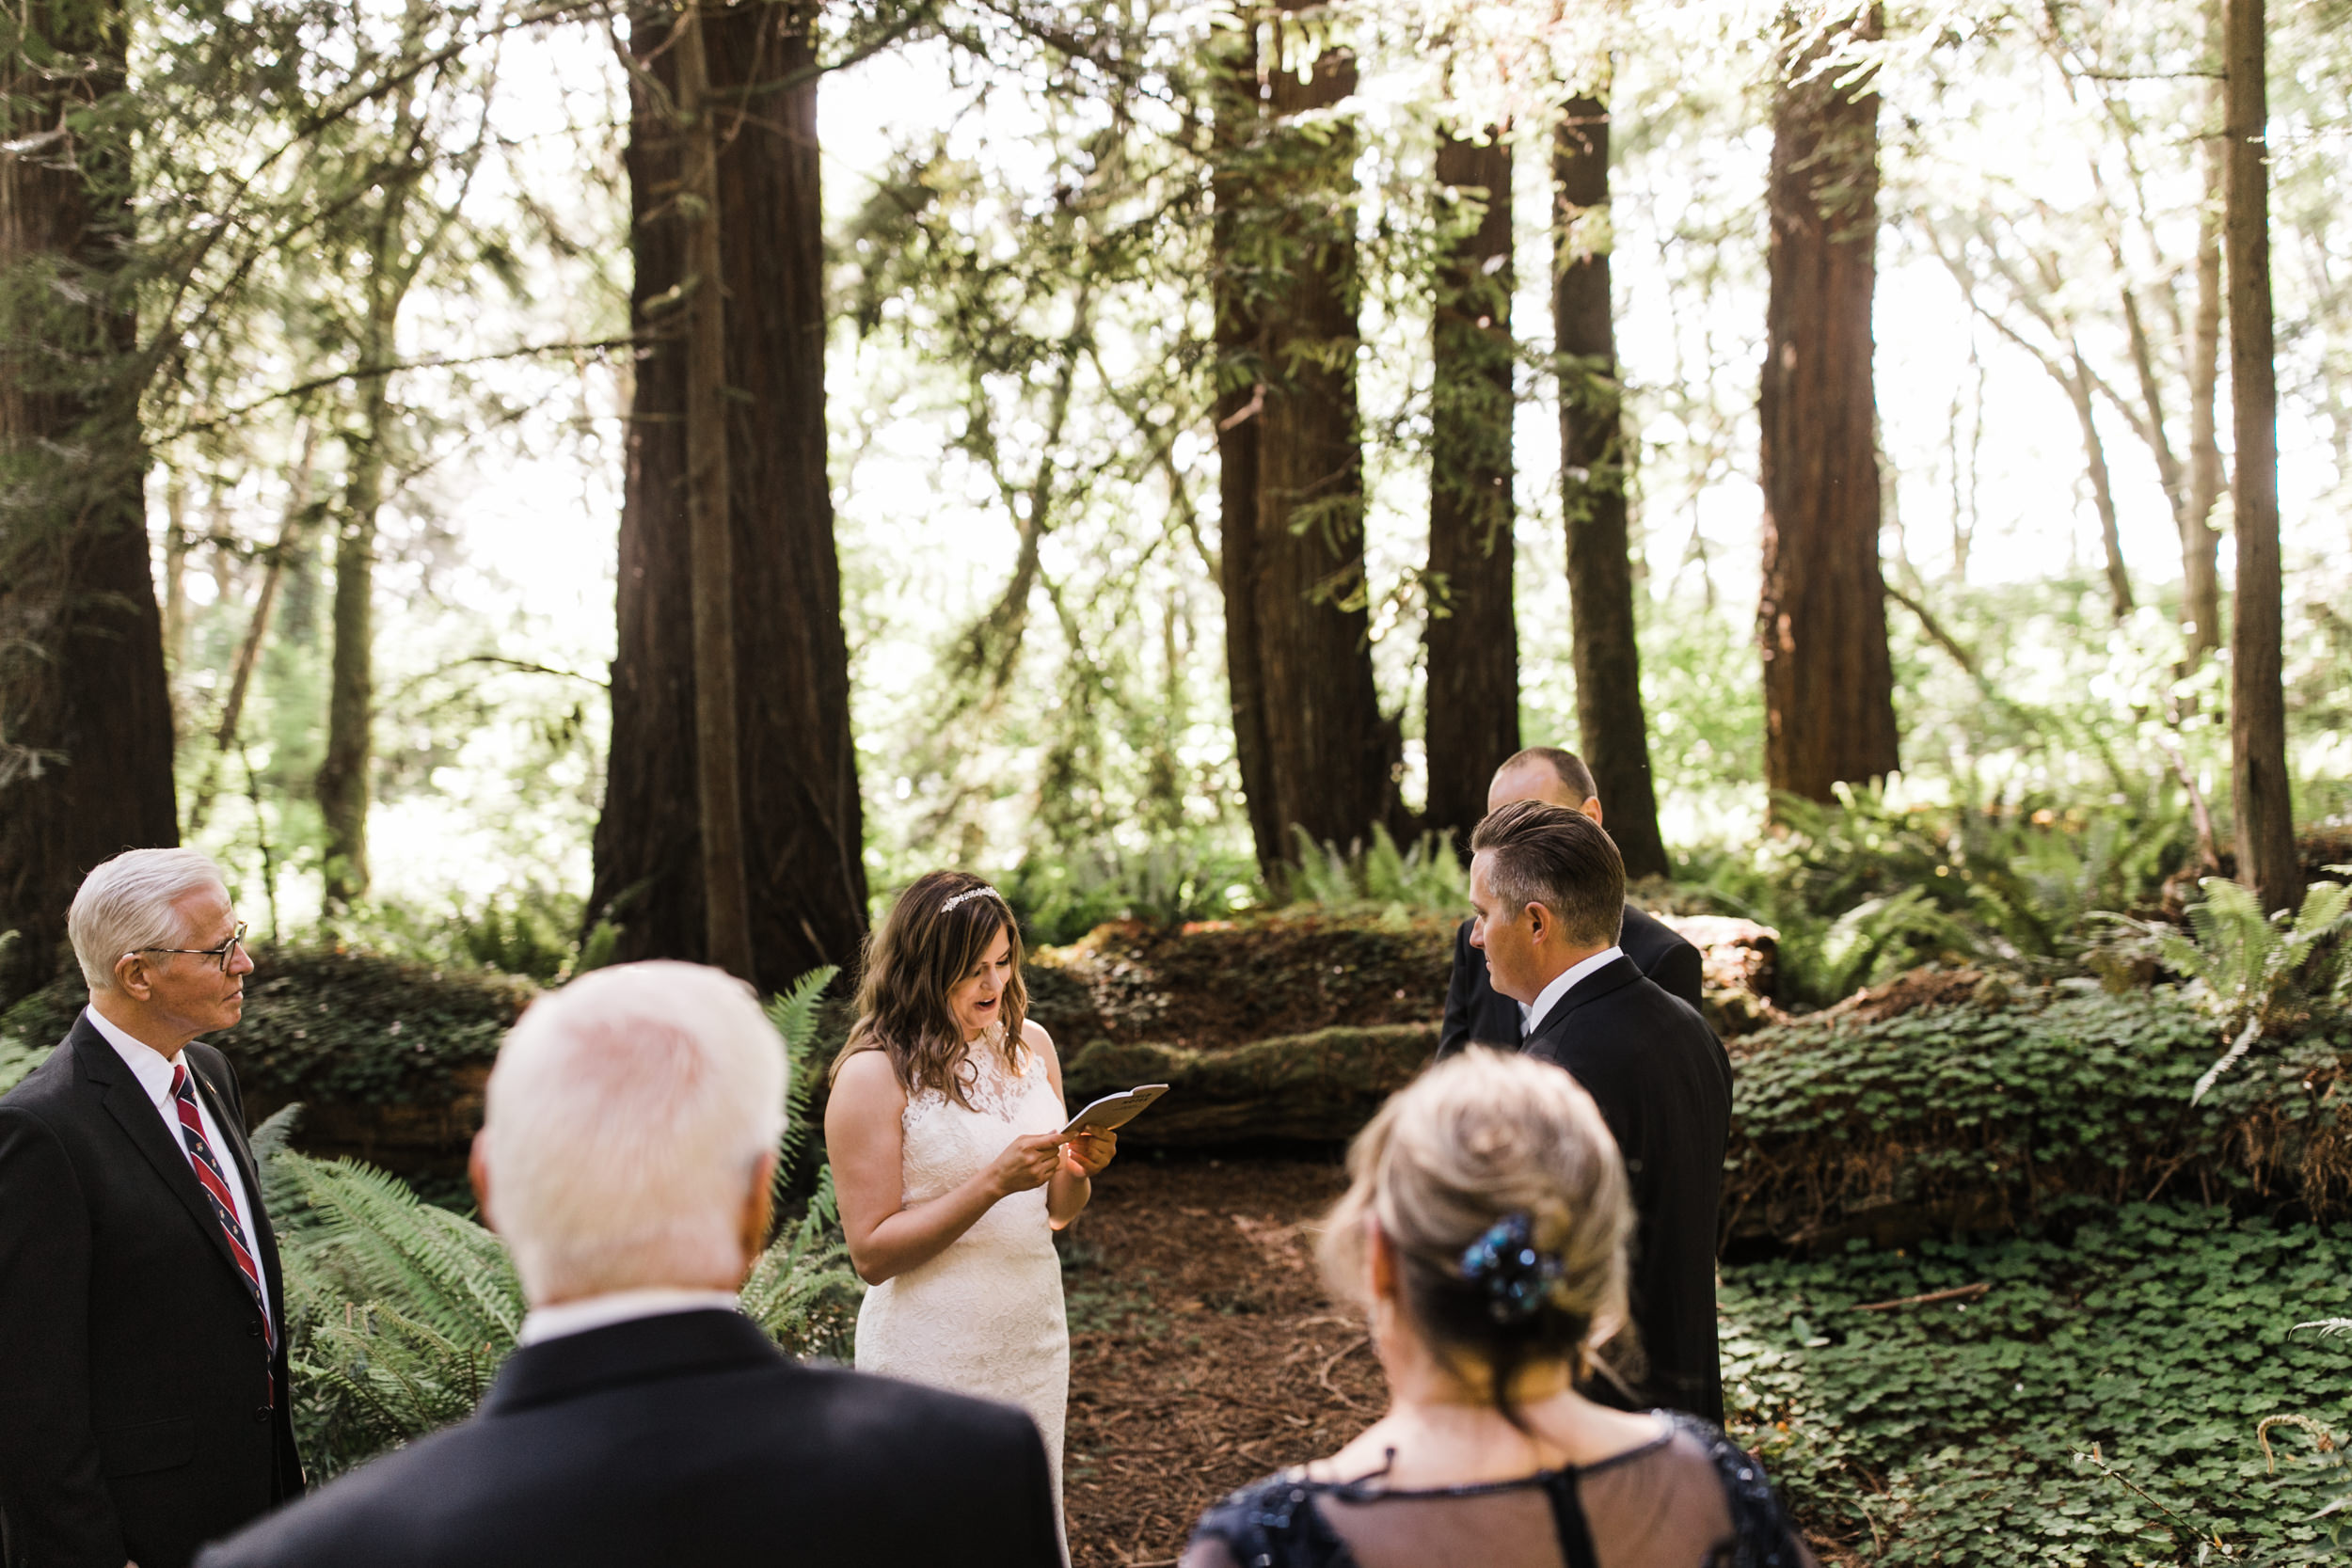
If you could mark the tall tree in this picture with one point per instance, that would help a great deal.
(387, 236)
(1329, 758)
(1829, 682)
(1603, 639)
(1237, 107)
(85, 715)
(1473, 641)
(2201, 542)
(711, 547)
(804, 827)
(2266, 857)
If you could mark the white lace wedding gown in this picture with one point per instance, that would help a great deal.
(985, 1316)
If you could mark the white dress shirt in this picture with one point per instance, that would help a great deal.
(619, 1307)
(153, 1070)
(1532, 1013)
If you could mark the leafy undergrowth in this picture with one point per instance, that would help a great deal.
(1981, 1115)
(332, 1028)
(2013, 1425)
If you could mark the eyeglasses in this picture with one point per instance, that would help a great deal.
(225, 955)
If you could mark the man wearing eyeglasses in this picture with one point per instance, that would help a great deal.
(143, 1391)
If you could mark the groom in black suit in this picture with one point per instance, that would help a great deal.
(1474, 1013)
(1548, 890)
(626, 1156)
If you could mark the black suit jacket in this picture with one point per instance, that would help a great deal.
(1663, 1083)
(1477, 1014)
(141, 1412)
(684, 1439)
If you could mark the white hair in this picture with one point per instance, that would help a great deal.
(132, 901)
(623, 1123)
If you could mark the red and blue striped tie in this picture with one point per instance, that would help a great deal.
(215, 1185)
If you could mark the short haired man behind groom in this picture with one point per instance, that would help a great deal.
(625, 1157)
(1475, 1013)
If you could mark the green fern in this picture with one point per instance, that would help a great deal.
(794, 1015)
(1426, 877)
(802, 1291)
(19, 1057)
(2255, 972)
(1879, 937)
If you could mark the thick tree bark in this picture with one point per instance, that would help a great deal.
(1603, 633)
(2201, 542)
(85, 712)
(804, 827)
(1821, 623)
(1239, 109)
(2264, 805)
(1330, 758)
(726, 900)
(1472, 640)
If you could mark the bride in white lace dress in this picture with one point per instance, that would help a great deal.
(943, 1132)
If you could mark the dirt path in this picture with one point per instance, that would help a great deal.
(1202, 1351)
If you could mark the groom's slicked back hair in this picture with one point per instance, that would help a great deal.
(1540, 854)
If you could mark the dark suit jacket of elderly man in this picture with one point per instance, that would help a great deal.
(142, 1410)
(687, 1440)
(1477, 1014)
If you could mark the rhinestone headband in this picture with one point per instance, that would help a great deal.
(967, 896)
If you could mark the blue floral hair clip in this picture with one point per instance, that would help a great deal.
(1515, 1273)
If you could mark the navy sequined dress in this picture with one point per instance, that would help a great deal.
(1690, 1498)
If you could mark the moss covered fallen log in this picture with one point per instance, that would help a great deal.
(388, 1058)
(1973, 1117)
(1319, 1086)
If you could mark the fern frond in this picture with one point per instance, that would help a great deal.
(2230, 1058)
(794, 1015)
(378, 1243)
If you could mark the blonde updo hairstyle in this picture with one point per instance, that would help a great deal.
(1478, 1138)
(935, 935)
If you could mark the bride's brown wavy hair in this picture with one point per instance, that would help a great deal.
(921, 950)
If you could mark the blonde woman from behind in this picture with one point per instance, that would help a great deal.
(1483, 1231)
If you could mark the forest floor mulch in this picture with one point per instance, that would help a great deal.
(1203, 1350)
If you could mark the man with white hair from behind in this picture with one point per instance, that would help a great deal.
(626, 1156)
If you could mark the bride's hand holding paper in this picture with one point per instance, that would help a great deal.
(1086, 1153)
(1026, 1164)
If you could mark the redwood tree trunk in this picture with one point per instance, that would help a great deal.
(1330, 756)
(85, 714)
(726, 901)
(1821, 623)
(802, 824)
(1604, 636)
(2266, 858)
(1238, 107)
(2201, 542)
(1472, 640)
